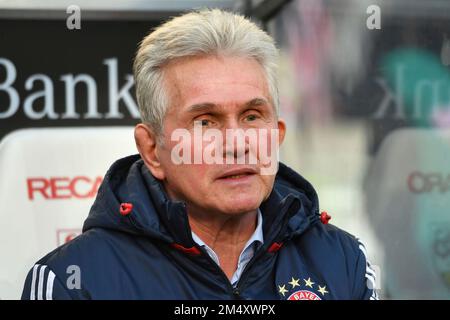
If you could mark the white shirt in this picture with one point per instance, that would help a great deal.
(246, 254)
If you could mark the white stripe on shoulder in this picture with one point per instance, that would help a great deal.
(363, 249)
(41, 283)
(370, 273)
(50, 279)
(374, 295)
(370, 270)
(371, 279)
(33, 282)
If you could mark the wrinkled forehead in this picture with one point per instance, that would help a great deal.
(214, 80)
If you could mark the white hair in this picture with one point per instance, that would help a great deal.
(205, 32)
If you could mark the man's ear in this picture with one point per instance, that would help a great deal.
(147, 145)
(281, 131)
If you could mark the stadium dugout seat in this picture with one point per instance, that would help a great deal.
(407, 193)
(48, 182)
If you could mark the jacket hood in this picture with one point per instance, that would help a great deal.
(289, 210)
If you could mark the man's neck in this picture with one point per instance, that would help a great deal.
(226, 235)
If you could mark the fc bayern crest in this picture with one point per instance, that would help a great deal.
(304, 295)
(302, 289)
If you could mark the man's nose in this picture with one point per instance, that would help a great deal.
(236, 144)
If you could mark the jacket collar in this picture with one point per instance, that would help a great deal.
(278, 212)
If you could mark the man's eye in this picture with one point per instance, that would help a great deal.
(205, 122)
(251, 117)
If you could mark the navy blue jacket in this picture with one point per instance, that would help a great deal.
(149, 253)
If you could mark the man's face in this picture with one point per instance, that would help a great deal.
(219, 93)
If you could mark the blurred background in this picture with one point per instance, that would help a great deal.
(364, 88)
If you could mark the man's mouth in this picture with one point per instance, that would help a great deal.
(235, 176)
(238, 173)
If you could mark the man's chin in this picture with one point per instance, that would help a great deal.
(239, 208)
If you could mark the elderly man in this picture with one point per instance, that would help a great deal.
(169, 224)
